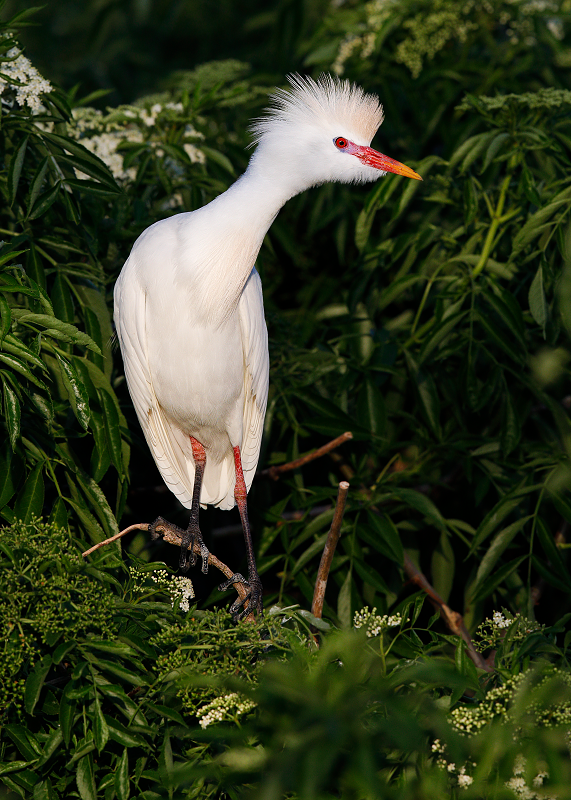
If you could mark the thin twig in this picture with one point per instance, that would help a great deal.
(139, 526)
(275, 472)
(329, 551)
(453, 619)
(172, 538)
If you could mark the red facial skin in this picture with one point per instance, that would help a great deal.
(372, 158)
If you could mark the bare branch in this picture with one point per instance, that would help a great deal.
(275, 472)
(453, 619)
(172, 538)
(329, 551)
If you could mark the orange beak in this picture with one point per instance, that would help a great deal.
(374, 159)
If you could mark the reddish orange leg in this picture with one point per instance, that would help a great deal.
(254, 583)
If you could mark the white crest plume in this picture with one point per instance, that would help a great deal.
(327, 99)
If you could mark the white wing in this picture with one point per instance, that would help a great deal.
(256, 372)
(169, 447)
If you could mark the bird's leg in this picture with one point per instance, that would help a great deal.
(254, 583)
(192, 533)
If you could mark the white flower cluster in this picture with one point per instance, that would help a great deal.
(374, 623)
(102, 134)
(463, 780)
(225, 707)
(23, 78)
(177, 587)
(518, 784)
(182, 589)
(499, 621)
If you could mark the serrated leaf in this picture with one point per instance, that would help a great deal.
(15, 170)
(76, 390)
(35, 683)
(30, 500)
(122, 776)
(370, 576)
(427, 394)
(537, 301)
(5, 318)
(55, 324)
(344, 601)
(100, 727)
(385, 537)
(85, 780)
(37, 182)
(12, 414)
(499, 543)
(44, 202)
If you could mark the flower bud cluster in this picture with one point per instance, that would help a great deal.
(374, 623)
(227, 706)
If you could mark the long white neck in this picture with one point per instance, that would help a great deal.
(232, 229)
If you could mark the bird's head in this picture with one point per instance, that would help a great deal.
(321, 131)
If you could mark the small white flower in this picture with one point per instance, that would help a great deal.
(23, 71)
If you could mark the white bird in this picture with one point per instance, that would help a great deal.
(188, 303)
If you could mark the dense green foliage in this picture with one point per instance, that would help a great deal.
(110, 690)
(431, 319)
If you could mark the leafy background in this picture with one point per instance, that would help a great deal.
(431, 319)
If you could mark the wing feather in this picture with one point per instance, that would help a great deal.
(256, 372)
(169, 447)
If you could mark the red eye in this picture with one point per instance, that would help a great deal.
(340, 142)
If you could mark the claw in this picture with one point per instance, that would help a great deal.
(254, 596)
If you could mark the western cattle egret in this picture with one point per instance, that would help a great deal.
(189, 311)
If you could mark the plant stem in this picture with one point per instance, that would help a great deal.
(328, 551)
(496, 220)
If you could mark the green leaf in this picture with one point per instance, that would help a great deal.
(511, 429)
(218, 158)
(499, 543)
(76, 391)
(100, 727)
(91, 187)
(537, 302)
(442, 567)
(370, 576)
(18, 365)
(35, 682)
(15, 170)
(37, 182)
(12, 416)
(535, 224)
(84, 779)
(67, 708)
(383, 536)
(421, 503)
(122, 776)
(427, 394)
(11, 469)
(30, 500)
(44, 201)
(54, 326)
(489, 585)
(493, 149)
(552, 552)
(344, 601)
(496, 516)
(112, 430)
(5, 318)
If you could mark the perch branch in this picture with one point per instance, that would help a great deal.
(329, 550)
(275, 472)
(172, 538)
(453, 619)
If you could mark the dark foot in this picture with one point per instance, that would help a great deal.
(254, 596)
(188, 539)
